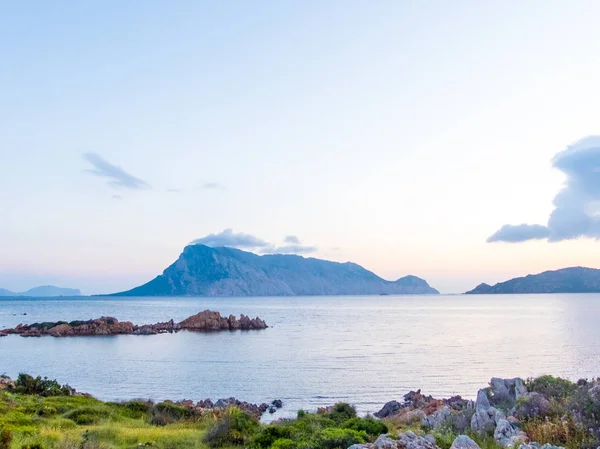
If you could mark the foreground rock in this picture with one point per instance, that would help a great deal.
(407, 440)
(103, 326)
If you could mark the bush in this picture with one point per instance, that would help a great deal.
(370, 426)
(27, 384)
(284, 443)
(5, 439)
(233, 428)
(87, 415)
(334, 438)
(270, 434)
(340, 412)
(165, 413)
(551, 387)
(557, 431)
(135, 409)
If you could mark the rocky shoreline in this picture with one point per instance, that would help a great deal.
(104, 326)
(541, 413)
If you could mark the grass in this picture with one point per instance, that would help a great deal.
(77, 422)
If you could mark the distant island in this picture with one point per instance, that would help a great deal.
(222, 271)
(43, 291)
(566, 280)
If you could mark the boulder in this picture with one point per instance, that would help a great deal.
(389, 409)
(464, 442)
(532, 405)
(411, 417)
(505, 392)
(506, 435)
(407, 440)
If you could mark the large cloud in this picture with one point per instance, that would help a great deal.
(292, 244)
(231, 239)
(576, 207)
(116, 175)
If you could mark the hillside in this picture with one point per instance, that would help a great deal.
(43, 291)
(205, 271)
(566, 280)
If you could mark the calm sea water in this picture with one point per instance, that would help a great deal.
(318, 350)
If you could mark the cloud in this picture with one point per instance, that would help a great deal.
(117, 197)
(249, 242)
(173, 190)
(117, 176)
(212, 186)
(290, 249)
(229, 238)
(520, 233)
(576, 206)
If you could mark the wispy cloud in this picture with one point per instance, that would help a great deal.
(231, 239)
(117, 197)
(213, 186)
(250, 242)
(173, 190)
(290, 249)
(575, 211)
(117, 177)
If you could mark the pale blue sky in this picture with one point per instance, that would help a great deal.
(396, 134)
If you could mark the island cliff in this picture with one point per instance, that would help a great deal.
(205, 271)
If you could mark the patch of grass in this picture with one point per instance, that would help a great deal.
(558, 431)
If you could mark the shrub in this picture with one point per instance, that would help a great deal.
(135, 409)
(5, 439)
(551, 387)
(340, 412)
(87, 415)
(233, 428)
(557, 431)
(284, 443)
(268, 435)
(27, 384)
(165, 413)
(334, 438)
(369, 425)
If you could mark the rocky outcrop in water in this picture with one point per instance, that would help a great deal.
(104, 326)
(208, 405)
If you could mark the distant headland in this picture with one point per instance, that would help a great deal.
(43, 291)
(566, 280)
(222, 271)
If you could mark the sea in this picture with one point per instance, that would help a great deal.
(364, 350)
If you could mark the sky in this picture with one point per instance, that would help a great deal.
(449, 140)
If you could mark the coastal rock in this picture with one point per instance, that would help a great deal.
(532, 405)
(104, 326)
(464, 442)
(506, 435)
(406, 440)
(506, 392)
(389, 409)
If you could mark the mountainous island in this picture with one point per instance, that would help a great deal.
(566, 280)
(222, 271)
(43, 291)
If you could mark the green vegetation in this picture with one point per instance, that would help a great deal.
(38, 413)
